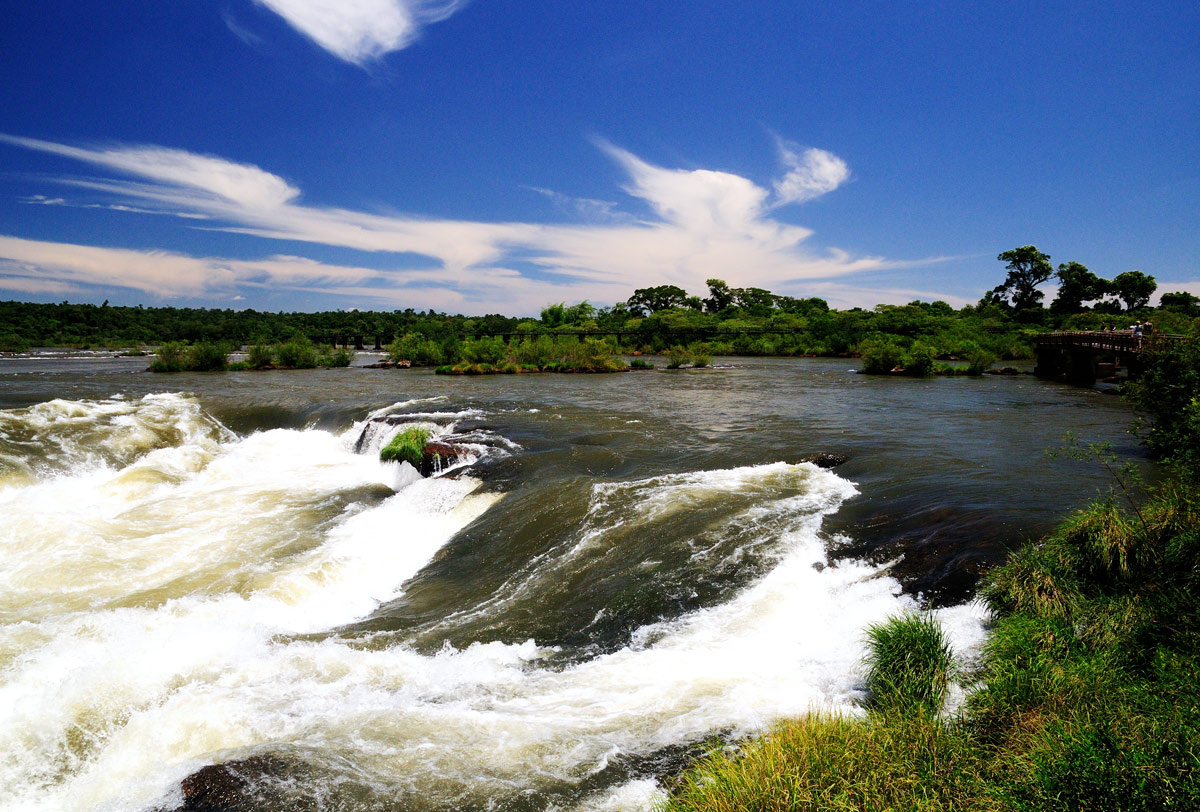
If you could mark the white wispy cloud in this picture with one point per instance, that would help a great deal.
(810, 173)
(360, 31)
(705, 224)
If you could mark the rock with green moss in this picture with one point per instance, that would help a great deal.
(412, 445)
(407, 446)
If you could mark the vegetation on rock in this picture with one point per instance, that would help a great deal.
(407, 446)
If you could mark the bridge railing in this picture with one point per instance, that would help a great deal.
(1114, 341)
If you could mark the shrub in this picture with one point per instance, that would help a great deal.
(677, 356)
(340, 357)
(299, 353)
(918, 362)
(259, 356)
(979, 361)
(206, 356)
(418, 350)
(407, 446)
(909, 664)
(484, 350)
(638, 363)
(879, 356)
(1167, 394)
(170, 357)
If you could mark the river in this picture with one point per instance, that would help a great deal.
(200, 568)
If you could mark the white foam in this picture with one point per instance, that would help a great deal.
(149, 629)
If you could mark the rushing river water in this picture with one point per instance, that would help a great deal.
(200, 568)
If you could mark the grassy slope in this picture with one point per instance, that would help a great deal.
(1089, 697)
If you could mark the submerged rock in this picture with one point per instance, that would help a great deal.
(825, 459)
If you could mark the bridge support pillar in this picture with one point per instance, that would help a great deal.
(1082, 367)
(1052, 361)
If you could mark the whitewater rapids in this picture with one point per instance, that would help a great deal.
(171, 594)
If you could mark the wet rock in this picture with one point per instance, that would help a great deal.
(235, 786)
(1003, 371)
(438, 456)
(825, 459)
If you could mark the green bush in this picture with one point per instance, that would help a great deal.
(170, 357)
(407, 446)
(979, 361)
(1167, 396)
(419, 351)
(638, 363)
(340, 357)
(677, 356)
(206, 356)
(259, 356)
(299, 353)
(918, 361)
(484, 350)
(879, 356)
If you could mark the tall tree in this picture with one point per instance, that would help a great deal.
(1134, 288)
(1181, 301)
(660, 297)
(719, 296)
(1077, 285)
(1027, 268)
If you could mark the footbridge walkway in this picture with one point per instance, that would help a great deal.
(1085, 356)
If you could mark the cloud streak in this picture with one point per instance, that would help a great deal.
(360, 31)
(703, 223)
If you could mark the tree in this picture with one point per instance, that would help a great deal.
(1134, 288)
(1027, 268)
(1077, 285)
(755, 301)
(719, 296)
(554, 315)
(652, 300)
(1181, 302)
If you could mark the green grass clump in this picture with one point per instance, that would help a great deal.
(407, 446)
(837, 763)
(909, 665)
(638, 363)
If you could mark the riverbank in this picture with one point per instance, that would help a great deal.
(1087, 693)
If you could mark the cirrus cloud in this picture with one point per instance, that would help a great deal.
(360, 31)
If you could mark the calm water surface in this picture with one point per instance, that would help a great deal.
(200, 568)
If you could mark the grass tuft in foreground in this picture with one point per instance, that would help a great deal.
(909, 663)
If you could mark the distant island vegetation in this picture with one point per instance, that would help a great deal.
(663, 319)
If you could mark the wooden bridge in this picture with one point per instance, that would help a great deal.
(1082, 357)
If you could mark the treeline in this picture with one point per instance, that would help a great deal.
(28, 324)
(727, 321)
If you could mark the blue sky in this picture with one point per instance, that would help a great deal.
(498, 156)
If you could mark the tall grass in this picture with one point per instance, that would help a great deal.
(909, 664)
